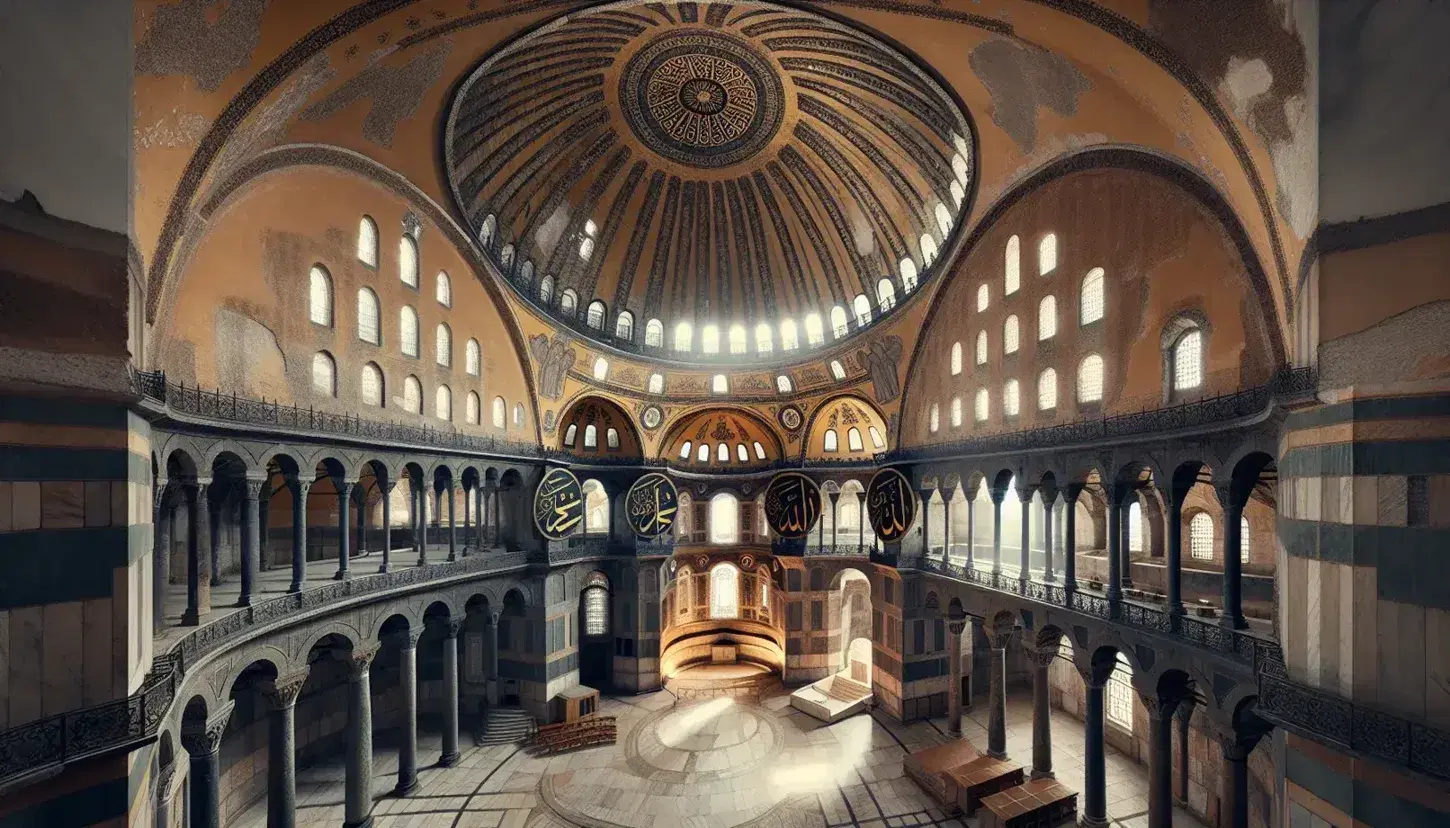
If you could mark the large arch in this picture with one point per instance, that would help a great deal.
(715, 426)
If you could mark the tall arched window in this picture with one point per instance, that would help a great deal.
(956, 358)
(591, 436)
(981, 347)
(487, 230)
(853, 440)
(783, 384)
(829, 441)
(877, 441)
(933, 423)
(1090, 301)
(368, 327)
(472, 408)
(320, 297)
(1012, 267)
(685, 451)
(703, 455)
(1200, 537)
(1244, 540)
(518, 415)
(526, 272)
(741, 453)
(1047, 390)
(594, 318)
(1090, 379)
(789, 340)
(710, 339)
(885, 295)
(943, 219)
(596, 610)
(412, 395)
(596, 506)
(624, 326)
(443, 403)
(956, 412)
(815, 334)
(443, 345)
(654, 334)
(861, 306)
(1119, 694)
(1135, 527)
(839, 325)
(763, 343)
(982, 406)
(500, 413)
(472, 358)
(408, 261)
(1011, 399)
(1010, 335)
(928, 250)
(443, 290)
(571, 434)
(371, 386)
(759, 450)
(1188, 360)
(724, 518)
(568, 302)
(1047, 254)
(724, 581)
(984, 295)
(324, 374)
(367, 241)
(408, 330)
(908, 275)
(684, 333)
(546, 290)
(611, 438)
(657, 383)
(1046, 318)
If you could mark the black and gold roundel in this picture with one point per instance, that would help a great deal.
(558, 504)
(890, 505)
(792, 504)
(651, 504)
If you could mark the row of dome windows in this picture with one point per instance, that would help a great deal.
(831, 442)
(722, 452)
(591, 437)
(372, 391)
(719, 383)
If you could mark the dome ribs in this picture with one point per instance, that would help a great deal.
(572, 136)
(759, 253)
(628, 271)
(558, 190)
(588, 283)
(913, 200)
(847, 172)
(802, 290)
(794, 161)
(654, 292)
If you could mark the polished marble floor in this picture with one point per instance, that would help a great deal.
(710, 764)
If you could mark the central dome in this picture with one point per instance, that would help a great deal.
(708, 182)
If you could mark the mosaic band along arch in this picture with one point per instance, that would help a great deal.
(890, 505)
(558, 504)
(651, 505)
(792, 505)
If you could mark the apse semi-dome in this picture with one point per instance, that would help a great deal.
(709, 182)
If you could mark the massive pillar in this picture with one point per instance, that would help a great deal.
(202, 741)
(251, 536)
(408, 689)
(359, 796)
(300, 488)
(450, 693)
(281, 696)
(955, 627)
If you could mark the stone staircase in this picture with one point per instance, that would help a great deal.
(845, 690)
(505, 726)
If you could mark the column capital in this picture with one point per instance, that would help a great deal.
(1039, 656)
(282, 692)
(1224, 491)
(160, 493)
(1094, 674)
(1001, 637)
(1237, 746)
(252, 485)
(344, 487)
(407, 639)
(194, 489)
(299, 485)
(1160, 707)
(860, 497)
(956, 626)
(206, 737)
(452, 627)
(359, 660)
(1070, 493)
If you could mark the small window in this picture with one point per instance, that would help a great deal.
(367, 241)
(601, 368)
(443, 290)
(412, 395)
(657, 383)
(789, 340)
(320, 297)
(839, 325)
(815, 334)
(1047, 390)
(703, 455)
(408, 261)
(877, 441)
(594, 318)
(742, 453)
(719, 384)
(506, 258)
(959, 193)
(1200, 537)
(759, 450)
(981, 347)
(956, 358)
(368, 327)
(443, 346)
(324, 374)
(568, 302)
(830, 440)
(1135, 527)
(763, 343)
(1188, 361)
(1012, 267)
(943, 219)
(586, 248)
(1011, 399)
(853, 440)
(546, 290)
(933, 423)
(685, 451)
(908, 275)
(684, 333)
(1091, 300)
(1010, 335)
(443, 403)
(885, 295)
(590, 228)
(472, 408)
(571, 434)
(372, 385)
(1046, 318)
(861, 306)
(611, 438)
(591, 436)
(624, 327)
(724, 577)
(408, 331)
(654, 334)
(1244, 540)
(722, 453)
(518, 415)
(1047, 254)
(956, 412)
(1090, 379)
(983, 297)
(982, 406)
(783, 384)
(928, 250)
(487, 230)
(472, 358)
(710, 340)
(838, 370)
(526, 273)
(500, 413)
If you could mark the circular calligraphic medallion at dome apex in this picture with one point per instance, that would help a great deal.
(890, 505)
(558, 504)
(651, 505)
(792, 504)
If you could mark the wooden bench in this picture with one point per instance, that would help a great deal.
(1037, 803)
(557, 738)
(929, 768)
(981, 778)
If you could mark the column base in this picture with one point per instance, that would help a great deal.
(244, 601)
(190, 618)
(1041, 774)
(995, 754)
(341, 575)
(1232, 622)
(216, 581)
(452, 557)
(1092, 822)
(365, 822)
(383, 569)
(406, 789)
(295, 587)
(449, 759)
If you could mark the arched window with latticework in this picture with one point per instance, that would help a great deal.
(624, 326)
(408, 261)
(472, 358)
(1090, 379)
(596, 505)
(1012, 267)
(839, 325)
(654, 334)
(324, 374)
(724, 518)
(724, 580)
(320, 297)
(1200, 537)
(861, 306)
(367, 241)
(885, 295)
(1120, 694)
(443, 290)
(737, 339)
(443, 346)
(1090, 300)
(412, 395)
(372, 385)
(956, 358)
(596, 610)
(408, 330)
(368, 325)
(594, 317)
(763, 340)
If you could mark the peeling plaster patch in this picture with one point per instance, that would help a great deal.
(862, 234)
(1377, 355)
(551, 229)
(248, 355)
(195, 38)
(394, 91)
(178, 129)
(1021, 80)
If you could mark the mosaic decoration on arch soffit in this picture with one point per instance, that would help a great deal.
(715, 162)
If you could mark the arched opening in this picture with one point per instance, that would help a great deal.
(596, 639)
(724, 519)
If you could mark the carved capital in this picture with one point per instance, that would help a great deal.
(407, 639)
(300, 486)
(160, 494)
(957, 627)
(283, 692)
(252, 487)
(1094, 675)
(344, 487)
(1159, 707)
(195, 490)
(1039, 656)
(1237, 746)
(206, 737)
(453, 627)
(359, 661)
(1001, 637)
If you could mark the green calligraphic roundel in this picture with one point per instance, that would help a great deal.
(792, 504)
(890, 505)
(651, 505)
(558, 504)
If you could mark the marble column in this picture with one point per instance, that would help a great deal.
(1069, 538)
(835, 517)
(1233, 513)
(217, 496)
(925, 523)
(946, 523)
(408, 689)
(1237, 745)
(1115, 544)
(1024, 573)
(971, 527)
(161, 520)
(470, 521)
(493, 679)
(996, 529)
(251, 536)
(451, 491)
(1095, 789)
(358, 799)
(387, 495)
(197, 558)
(264, 503)
(955, 628)
(1049, 540)
(203, 744)
(361, 504)
(450, 693)
(281, 696)
(1173, 548)
(164, 777)
(1184, 719)
(299, 533)
(344, 499)
(1125, 548)
(861, 520)
(1040, 657)
(997, 702)
(1160, 758)
(480, 517)
(420, 525)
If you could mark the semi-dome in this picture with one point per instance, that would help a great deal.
(708, 181)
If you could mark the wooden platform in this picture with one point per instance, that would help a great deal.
(981, 778)
(929, 768)
(1037, 803)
